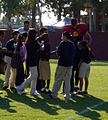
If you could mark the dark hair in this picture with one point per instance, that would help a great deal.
(1, 33)
(67, 34)
(26, 22)
(15, 33)
(43, 29)
(83, 43)
(31, 37)
(74, 21)
(45, 37)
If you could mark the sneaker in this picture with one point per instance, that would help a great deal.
(19, 92)
(0, 92)
(62, 93)
(13, 89)
(76, 89)
(5, 87)
(85, 92)
(43, 90)
(24, 91)
(35, 93)
(80, 92)
(67, 98)
(48, 91)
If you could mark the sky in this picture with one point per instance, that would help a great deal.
(50, 19)
(53, 19)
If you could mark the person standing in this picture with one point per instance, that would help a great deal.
(84, 65)
(44, 65)
(23, 53)
(42, 31)
(24, 29)
(10, 46)
(79, 31)
(66, 52)
(32, 47)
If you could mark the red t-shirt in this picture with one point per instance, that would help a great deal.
(79, 31)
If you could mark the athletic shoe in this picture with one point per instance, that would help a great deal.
(48, 91)
(62, 93)
(80, 92)
(19, 91)
(85, 92)
(5, 87)
(13, 89)
(35, 93)
(76, 89)
(67, 98)
(24, 91)
(43, 90)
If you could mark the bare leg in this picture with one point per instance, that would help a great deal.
(81, 84)
(86, 84)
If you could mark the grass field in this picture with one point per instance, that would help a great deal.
(93, 106)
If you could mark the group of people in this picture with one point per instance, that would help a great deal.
(74, 55)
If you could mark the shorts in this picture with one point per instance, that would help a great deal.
(44, 70)
(84, 70)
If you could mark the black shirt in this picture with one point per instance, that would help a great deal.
(66, 53)
(86, 55)
(10, 45)
(45, 54)
(32, 53)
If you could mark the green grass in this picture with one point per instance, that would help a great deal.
(26, 107)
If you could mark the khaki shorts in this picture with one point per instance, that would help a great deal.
(44, 70)
(84, 70)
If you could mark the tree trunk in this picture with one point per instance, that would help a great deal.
(34, 14)
(40, 14)
(59, 11)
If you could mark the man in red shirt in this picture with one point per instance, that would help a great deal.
(79, 31)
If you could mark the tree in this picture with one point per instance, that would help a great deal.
(11, 8)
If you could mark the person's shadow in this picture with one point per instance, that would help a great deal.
(85, 105)
(5, 105)
(34, 102)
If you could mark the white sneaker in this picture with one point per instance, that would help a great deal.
(35, 93)
(24, 91)
(19, 91)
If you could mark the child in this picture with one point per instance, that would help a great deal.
(66, 52)
(44, 66)
(10, 46)
(32, 47)
(84, 65)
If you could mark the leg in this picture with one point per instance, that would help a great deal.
(7, 72)
(86, 84)
(59, 75)
(12, 77)
(67, 83)
(20, 76)
(72, 81)
(81, 84)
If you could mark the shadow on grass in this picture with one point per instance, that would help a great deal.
(5, 105)
(34, 102)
